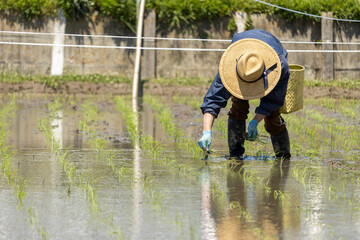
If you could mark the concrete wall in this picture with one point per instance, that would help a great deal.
(169, 63)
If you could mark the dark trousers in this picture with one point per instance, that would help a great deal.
(274, 124)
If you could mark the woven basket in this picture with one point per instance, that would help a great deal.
(294, 95)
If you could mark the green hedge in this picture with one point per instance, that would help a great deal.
(178, 13)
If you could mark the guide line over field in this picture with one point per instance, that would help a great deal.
(159, 48)
(163, 38)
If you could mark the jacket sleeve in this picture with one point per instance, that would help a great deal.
(215, 98)
(275, 99)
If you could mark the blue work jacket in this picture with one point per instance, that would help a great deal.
(217, 95)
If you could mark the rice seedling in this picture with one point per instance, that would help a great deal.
(278, 194)
(242, 213)
(21, 194)
(267, 189)
(167, 121)
(129, 117)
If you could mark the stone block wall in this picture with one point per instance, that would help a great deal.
(172, 63)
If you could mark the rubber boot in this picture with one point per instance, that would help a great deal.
(236, 130)
(281, 145)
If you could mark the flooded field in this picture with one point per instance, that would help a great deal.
(104, 167)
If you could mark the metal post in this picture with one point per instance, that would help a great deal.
(138, 50)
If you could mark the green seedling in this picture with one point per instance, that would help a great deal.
(242, 213)
(267, 189)
(21, 194)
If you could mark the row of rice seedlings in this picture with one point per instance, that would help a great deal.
(100, 144)
(346, 107)
(84, 182)
(167, 122)
(147, 142)
(155, 150)
(343, 137)
(150, 187)
(13, 178)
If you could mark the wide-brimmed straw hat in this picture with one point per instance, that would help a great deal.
(250, 69)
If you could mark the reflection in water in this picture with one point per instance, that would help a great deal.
(271, 211)
(208, 225)
(307, 213)
(57, 126)
(137, 189)
(255, 209)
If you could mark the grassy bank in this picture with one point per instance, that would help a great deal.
(59, 81)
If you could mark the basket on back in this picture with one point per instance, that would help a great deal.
(294, 95)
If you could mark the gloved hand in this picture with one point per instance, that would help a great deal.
(205, 140)
(252, 130)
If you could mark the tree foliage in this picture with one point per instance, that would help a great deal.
(179, 13)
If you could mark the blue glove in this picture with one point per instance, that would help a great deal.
(205, 140)
(252, 130)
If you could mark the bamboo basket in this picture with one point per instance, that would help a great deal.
(294, 95)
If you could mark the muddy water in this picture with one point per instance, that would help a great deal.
(253, 199)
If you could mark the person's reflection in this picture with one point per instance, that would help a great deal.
(233, 225)
(251, 209)
(270, 213)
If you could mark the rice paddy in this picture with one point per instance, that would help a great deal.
(105, 167)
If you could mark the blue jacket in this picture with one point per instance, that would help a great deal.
(217, 95)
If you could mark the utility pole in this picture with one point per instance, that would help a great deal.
(136, 79)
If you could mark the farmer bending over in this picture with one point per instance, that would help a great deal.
(254, 66)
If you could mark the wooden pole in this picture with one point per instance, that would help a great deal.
(136, 79)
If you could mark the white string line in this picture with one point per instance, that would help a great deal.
(307, 14)
(118, 37)
(162, 38)
(332, 43)
(157, 48)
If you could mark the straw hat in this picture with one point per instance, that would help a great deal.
(250, 69)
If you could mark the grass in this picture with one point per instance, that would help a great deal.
(343, 83)
(61, 81)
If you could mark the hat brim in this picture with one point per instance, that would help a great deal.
(227, 69)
